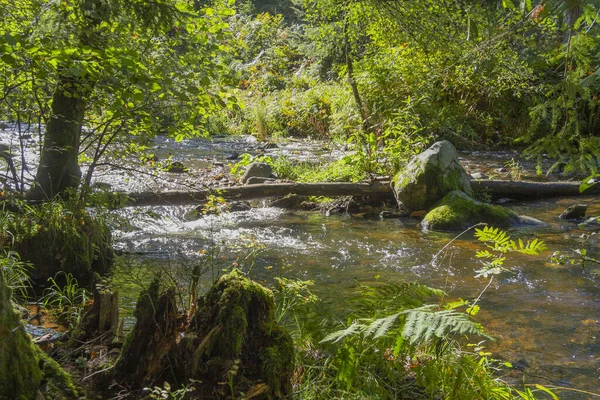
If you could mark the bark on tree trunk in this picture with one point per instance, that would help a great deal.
(59, 167)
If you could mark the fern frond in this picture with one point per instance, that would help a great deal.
(381, 326)
(336, 336)
(423, 324)
(390, 298)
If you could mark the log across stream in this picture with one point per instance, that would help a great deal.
(379, 190)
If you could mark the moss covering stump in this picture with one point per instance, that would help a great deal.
(25, 370)
(232, 345)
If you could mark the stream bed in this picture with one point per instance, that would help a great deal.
(545, 317)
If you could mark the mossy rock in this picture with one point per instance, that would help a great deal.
(457, 211)
(429, 176)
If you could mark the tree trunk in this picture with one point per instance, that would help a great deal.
(59, 167)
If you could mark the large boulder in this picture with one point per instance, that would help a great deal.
(458, 211)
(429, 177)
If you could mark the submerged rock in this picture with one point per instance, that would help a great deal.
(257, 170)
(574, 212)
(429, 177)
(458, 211)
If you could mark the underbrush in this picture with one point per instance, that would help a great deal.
(399, 340)
(343, 170)
(56, 236)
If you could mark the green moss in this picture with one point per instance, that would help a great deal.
(59, 384)
(61, 237)
(458, 211)
(238, 338)
(276, 363)
(20, 375)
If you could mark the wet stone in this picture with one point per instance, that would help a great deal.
(479, 175)
(176, 168)
(257, 170)
(255, 180)
(574, 212)
(391, 214)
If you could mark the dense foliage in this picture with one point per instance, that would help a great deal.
(390, 76)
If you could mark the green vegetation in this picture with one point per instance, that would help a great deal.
(97, 80)
(56, 236)
(399, 340)
(458, 211)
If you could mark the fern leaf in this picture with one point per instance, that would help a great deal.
(336, 336)
(423, 324)
(381, 325)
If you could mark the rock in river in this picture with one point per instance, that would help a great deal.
(257, 170)
(457, 211)
(429, 177)
(574, 212)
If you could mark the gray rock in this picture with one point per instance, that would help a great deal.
(592, 222)
(249, 139)
(479, 175)
(255, 180)
(257, 170)
(239, 206)
(429, 176)
(574, 212)
(4, 125)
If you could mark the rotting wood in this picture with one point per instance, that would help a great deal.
(379, 190)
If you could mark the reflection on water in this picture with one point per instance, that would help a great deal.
(545, 317)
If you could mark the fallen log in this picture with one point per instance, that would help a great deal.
(377, 190)
(522, 189)
(259, 191)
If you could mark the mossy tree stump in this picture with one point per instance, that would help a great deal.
(25, 370)
(154, 335)
(20, 374)
(232, 345)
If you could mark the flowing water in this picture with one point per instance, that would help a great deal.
(545, 317)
